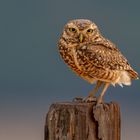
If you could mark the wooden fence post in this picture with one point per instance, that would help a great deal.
(83, 121)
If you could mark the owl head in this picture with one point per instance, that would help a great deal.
(80, 31)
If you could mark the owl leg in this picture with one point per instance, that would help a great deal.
(91, 97)
(93, 92)
(100, 99)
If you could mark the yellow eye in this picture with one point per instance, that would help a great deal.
(72, 30)
(90, 31)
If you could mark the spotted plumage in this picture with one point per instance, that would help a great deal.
(93, 57)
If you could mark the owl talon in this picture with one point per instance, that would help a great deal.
(99, 101)
(78, 99)
(90, 99)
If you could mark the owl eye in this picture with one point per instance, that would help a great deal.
(90, 31)
(72, 30)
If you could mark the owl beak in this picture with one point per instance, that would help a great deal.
(81, 37)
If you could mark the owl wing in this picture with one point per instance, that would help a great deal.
(108, 59)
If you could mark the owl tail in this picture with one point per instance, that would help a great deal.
(133, 74)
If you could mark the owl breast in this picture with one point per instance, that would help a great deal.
(74, 58)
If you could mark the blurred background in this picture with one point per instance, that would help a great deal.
(32, 74)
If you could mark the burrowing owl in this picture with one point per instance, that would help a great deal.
(93, 57)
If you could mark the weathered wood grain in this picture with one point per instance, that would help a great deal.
(83, 121)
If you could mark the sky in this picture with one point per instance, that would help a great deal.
(32, 74)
